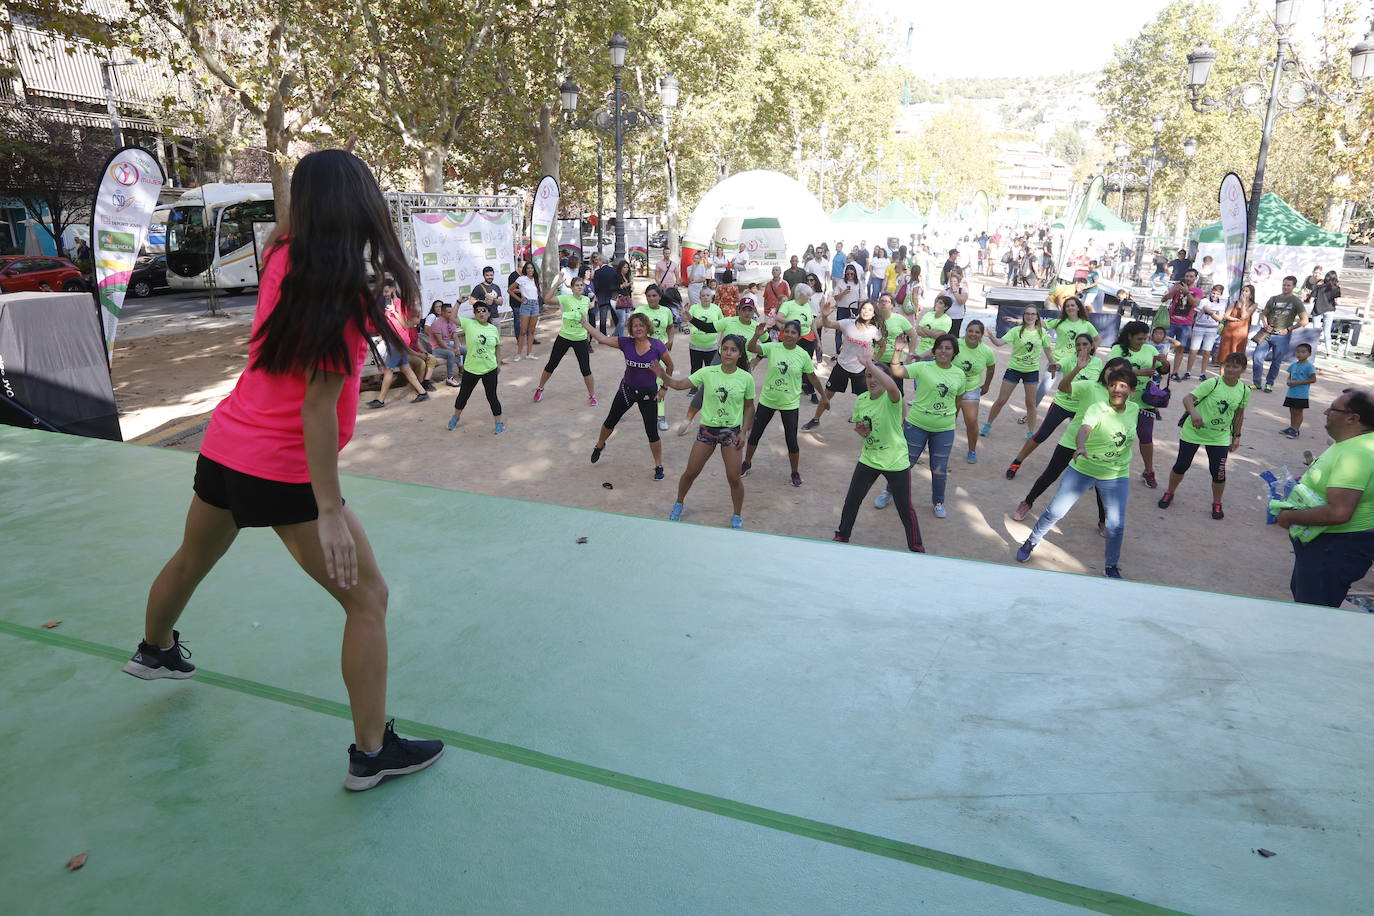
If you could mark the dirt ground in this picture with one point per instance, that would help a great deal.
(165, 384)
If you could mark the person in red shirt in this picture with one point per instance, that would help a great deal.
(270, 458)
(775, 293)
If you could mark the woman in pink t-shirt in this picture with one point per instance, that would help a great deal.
(271, 453)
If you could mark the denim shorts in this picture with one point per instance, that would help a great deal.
(1181, 333)
(1025, 378)
(529, 308)
(973, 394)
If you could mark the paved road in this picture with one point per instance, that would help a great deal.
(168, 304)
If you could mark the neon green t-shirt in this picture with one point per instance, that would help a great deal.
(1109, 444)
(1093, 370)
(725, 394)
(792, 310)
(733, 325)
(896, 326)
(704, 340)
(1065, 333)
(931, 321)
(574, 307)
(885, 445)
(782, 387)
(1026, 347)
(974, 361)
(1348, 465)
(1086, 393)
(937, 395)
(1144, 358)
(481, 341)
(1217, 404)
(660, 318)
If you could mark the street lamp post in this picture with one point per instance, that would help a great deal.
(107, 77)
(619, 46)
(1120, 151)
(1284, 85)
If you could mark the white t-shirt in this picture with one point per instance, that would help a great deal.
(956, 310)
(854, 341)
(877, 268)
(818, 267)
(698, 272)
(847, 295)
(528, 288)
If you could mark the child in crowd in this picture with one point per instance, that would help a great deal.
(1301, 374)
(1161, 341)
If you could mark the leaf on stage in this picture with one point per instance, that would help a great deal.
(77, 861)
(51, 624)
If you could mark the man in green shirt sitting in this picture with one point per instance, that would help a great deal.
(1282, 315)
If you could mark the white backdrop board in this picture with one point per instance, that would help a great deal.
(454, 245)
(569, 237)
(637, 236)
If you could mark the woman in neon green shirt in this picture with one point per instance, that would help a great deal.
(742, 325)
(1062, 408)
(1216, 409)
(482, 364)
(1028, 340)
(728, 417)
(1102, 460)
(1072, 322)
(933, 324)
(877, 418)
(1146, 361)
(572, 336)
(788, 365)
(939, 384)
(979, 362)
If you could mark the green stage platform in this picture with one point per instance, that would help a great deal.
(666, 719)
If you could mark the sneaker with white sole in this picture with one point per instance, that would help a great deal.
(398, 757)
(882, 500)
(663, 423)
(152, 662)
(940, 511)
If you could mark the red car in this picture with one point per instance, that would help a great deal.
(20, 273)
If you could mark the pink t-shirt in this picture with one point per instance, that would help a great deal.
(257, 429)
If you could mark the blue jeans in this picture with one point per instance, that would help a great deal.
(875, 287)
(941, 444)
(1073, 485)
(622, 318)
(1325, 567)
(1275, 348)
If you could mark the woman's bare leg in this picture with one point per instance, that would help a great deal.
(209, 533)
(1003, 396)
(701, 451)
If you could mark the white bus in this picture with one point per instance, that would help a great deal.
(210, 236)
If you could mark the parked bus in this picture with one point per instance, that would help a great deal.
(210, 236)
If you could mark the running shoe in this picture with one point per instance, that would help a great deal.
(1216, 512)
(1021, 511)
(796, 479)
(744, 468)
(1268, 389)
(518, 357)
(736, 522)
(152, 662)
(972, 457)
(1113, 572)
(398, 757)
(1202, 377)
(538, 395)
(591, 401)
(663, 423)
(815, 398)
(452, 423)
(1150, 480)
(1024, 551)
(1253, 387)
(676, 514)
(1291, 433)
(987, 428)
(596, 453)
(428, 385)
(1167, 499)
(882, 500)
(374, 403)
(811, 424)
(940, 511)
(658, 472)
(451, 382)
(500, 428)
(1012, 469)
(840, 539)
(1173, 377)
(1022, 421)
(1187, 375)
(420, 398)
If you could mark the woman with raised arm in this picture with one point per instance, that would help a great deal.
(639, 386)
(788, 364)
(482, 364)
(270, 457)
(571, 336)
(1028, 340)
(858, 335)
(1084, 364)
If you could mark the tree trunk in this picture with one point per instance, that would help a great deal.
(432, 158)
(548, 162)
(278, 148)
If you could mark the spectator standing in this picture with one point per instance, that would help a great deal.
(666, 270)
(1281, 316)
(794, 275)
(877, 272)
(817, 264)
(605, 285)
(1179, 266)
(697, 274)
(779, 289)
(1323, 304)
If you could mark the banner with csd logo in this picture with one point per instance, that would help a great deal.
(454, 247)
(123, 209)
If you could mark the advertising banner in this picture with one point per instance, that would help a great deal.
(761, 248)
(123, 208)
(543, 214)
(1073, 226)
(637, 239)
(569, 237)
(981, 210)
(1234, 230)
(454, 246)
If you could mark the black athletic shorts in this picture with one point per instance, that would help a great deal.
(254, 502)
(840, 377)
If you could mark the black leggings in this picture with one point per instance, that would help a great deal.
(1053, 417)
(625, 398)
(954, 325)
(898, 484)
(468, 383)
(764, 415)
(1059, 460)
(712, 358)
(1216, 459)
(700, 359)
(810, 347)
(605, 313)
(561, 345)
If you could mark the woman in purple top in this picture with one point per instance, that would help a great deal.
(640, 384)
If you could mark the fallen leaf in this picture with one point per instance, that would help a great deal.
(52, 623)
(1266, 853)
(77, 861)
(581, 540)
(608, 485)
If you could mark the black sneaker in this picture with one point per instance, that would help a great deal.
(811, 424)
(152, 662)
(658, 473)
(428, 385)
(398, 757)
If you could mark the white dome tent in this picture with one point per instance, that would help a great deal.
(771, 214)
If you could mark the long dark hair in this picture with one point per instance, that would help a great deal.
(341, 246)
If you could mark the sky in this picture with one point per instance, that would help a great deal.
(1009, 37)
